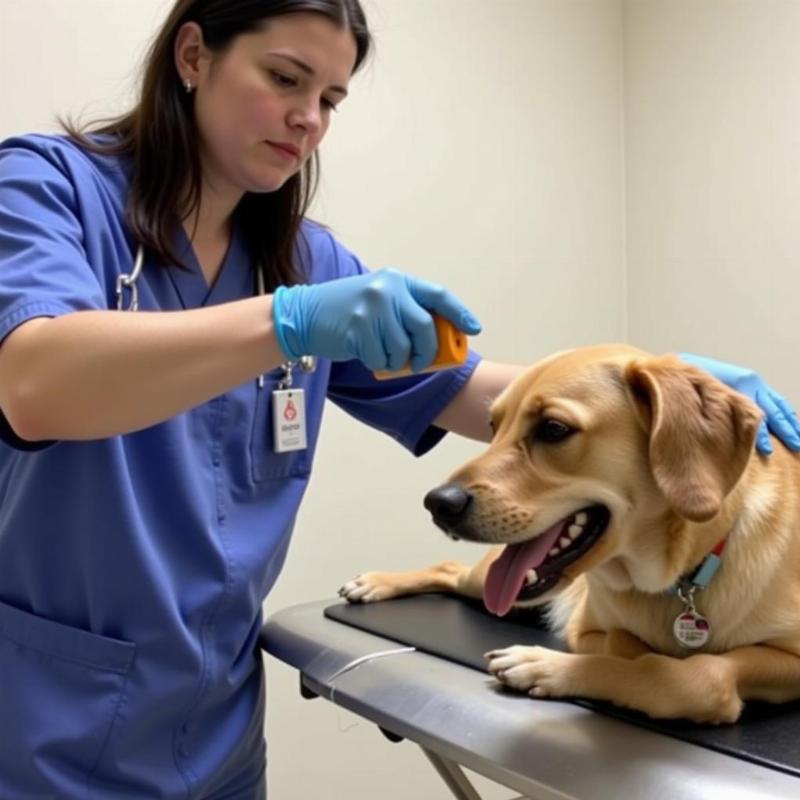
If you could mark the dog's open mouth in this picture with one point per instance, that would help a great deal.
(527, 570)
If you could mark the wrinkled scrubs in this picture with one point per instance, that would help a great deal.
(133, 569)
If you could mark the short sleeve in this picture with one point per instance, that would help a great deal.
(44, 271)
(43, 266)
(323, 258)
(403, 408)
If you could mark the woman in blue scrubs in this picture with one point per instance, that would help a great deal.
(146, 505)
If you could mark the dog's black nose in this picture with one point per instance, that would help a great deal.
(448, 504)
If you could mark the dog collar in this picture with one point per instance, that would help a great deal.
(690, 628)
(704, 573)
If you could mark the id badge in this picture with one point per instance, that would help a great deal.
(289, 420)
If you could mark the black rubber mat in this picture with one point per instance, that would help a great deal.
(462, 631)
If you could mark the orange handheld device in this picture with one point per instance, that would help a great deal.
(452, 352)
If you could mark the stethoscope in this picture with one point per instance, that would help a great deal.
(127, 280)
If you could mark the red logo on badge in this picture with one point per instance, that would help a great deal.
(290, 412)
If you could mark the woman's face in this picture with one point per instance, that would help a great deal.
(263, 105)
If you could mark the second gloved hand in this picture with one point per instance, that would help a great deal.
(383, 319)
(779, 416)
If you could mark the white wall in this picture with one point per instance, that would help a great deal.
(523, 152)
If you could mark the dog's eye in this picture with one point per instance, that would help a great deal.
(552, 431)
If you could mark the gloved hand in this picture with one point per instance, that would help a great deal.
(780, 417)
(380, 318)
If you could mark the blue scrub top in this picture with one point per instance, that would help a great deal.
(133, 568)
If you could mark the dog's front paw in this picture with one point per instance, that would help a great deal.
(536, 670)
(371, 587)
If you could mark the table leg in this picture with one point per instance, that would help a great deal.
(452, 774)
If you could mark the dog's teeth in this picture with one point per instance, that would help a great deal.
(531, 577)
(581, 518)
(554, 552)
(565, 541)
(575, 531)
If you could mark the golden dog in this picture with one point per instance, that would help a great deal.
(612, 478)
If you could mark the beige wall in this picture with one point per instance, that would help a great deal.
(69, 57)
(713, 179)
(578, 170)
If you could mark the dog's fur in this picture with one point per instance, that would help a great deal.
(669, 451)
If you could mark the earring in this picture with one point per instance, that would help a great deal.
(187, 84)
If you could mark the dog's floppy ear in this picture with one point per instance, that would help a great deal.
(702, 433)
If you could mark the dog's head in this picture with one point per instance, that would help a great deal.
(594, 450)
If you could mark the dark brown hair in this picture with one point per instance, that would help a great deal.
(160, 137)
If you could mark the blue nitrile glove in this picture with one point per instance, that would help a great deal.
(780, 417)
(380, 318)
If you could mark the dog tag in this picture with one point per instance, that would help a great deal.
(691, 629)
(289, 420)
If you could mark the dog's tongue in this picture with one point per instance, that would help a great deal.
(507, 574)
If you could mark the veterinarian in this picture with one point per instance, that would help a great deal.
(161, 298)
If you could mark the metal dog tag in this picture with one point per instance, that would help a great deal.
(289, 420)
(691, 629)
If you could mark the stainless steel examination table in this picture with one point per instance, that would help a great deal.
(371, 660)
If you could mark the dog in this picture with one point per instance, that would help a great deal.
(615, 482)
